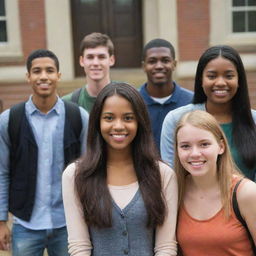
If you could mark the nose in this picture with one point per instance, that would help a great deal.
(159, 64)
(195, 151)
(220, 80)
(118, 124)
(95, 61)
(43, 75)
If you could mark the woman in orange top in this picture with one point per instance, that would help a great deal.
(206, 175)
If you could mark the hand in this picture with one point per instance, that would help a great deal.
(5, 236)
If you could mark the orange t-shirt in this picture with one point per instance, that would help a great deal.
(216, 236)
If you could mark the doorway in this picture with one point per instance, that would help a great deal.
(120, 19)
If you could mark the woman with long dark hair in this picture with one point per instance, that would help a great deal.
(220, 89)
(119, 198)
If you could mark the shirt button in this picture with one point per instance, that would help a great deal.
(125, 233)
(126, 251)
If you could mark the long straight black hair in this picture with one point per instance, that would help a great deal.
(91, 172)
(244, 132)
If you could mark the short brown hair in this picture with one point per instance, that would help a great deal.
(94, 40)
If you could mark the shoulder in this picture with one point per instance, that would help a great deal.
(166, 171)
(254, 115)
(67, 97)
(4, 119)
(175, 115)
(184, 91)
(84, 113)
(246, 193)
(69, 172)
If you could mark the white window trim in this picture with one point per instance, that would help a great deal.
(221, 26)
(11, 48)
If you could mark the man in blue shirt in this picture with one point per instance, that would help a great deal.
(160, 92)
(31, 168)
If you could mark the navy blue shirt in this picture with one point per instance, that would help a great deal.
(180, 97)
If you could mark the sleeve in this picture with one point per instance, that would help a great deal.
(79, 243)
(167, 139)
(166, 244)
(4, 165)
(85, 121)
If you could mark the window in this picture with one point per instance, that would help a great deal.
(3, 27)
(10, 40)
(243, 16)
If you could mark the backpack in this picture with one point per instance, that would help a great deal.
(239, 216)
(75, 95)
(72, 113)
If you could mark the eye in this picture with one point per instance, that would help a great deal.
(129, 118)
(166, 60)
(211, 77)
(151, 61)
(102, 57)
(205, 144)
(230, 76)
(108, 118)
(184, 146)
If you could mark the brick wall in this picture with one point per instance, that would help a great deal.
(193, 28)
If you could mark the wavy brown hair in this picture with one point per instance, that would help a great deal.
(91, 172)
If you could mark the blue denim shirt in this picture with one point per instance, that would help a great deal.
(48, 129)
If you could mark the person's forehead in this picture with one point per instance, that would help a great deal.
(99, 50)
(43, 61)
(158, 51)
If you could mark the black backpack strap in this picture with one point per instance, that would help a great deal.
(239, 216)
(15, 117)
(75, 95)
(74, 116)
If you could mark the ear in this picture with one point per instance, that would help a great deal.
(174, 64)
(81, 61)
(28, 77)
(59, 76)
(112, 60)
(143, 65)
(222, 147)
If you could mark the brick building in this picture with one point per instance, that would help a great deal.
(59, 25)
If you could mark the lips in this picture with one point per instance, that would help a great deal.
(221, 92)
(118, 137)
(43, 85)
(197, 163)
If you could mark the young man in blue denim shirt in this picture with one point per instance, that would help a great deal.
(31, 168)
(160, 92)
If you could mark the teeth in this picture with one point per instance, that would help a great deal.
(220, 91)
(118, 135)
(196, 163)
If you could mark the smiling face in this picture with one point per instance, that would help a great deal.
(96, 63)
(118, 123)
(159, 65)
(220, 81)
(198, 150)
(43, 76)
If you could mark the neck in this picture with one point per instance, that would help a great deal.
(160, 91)
(120, 169)
(44, 104)
(94, 87)
(222, 112)
(204, 183)
(119, 157)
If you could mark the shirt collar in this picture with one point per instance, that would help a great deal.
(31, 108)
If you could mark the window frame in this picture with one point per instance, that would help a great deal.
(11, 49)
(221, 26)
